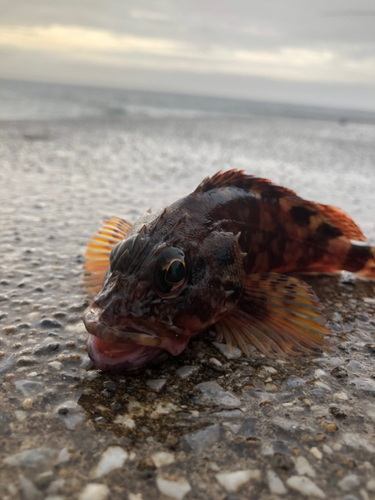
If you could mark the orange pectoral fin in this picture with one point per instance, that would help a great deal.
(277, 314)
(98, 251)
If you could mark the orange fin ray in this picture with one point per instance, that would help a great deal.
(277, 314)
(98, 251)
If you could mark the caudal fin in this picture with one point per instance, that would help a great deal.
(361, 260)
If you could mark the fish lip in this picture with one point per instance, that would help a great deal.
(138, 331)
(131, 360)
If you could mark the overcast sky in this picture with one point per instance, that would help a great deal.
(318, 52)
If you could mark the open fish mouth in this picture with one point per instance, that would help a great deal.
(131, 342)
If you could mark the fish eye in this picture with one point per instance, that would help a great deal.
(170, 272)
(175, 272)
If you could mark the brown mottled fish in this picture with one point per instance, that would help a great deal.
(216, 258)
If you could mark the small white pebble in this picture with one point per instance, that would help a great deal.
(337, 446)
(327, 449)
(113, 458)
(232, 481)
(64, 456)
(319, 373)
(341, 396)
(233, 353)
(125, 420)
(305, 486)
(303, 467)
(94, 491)
(32, 374)
(162, 458)
(186, 371)
(370, 485)
(175, 489)
(275, 484)
(316, 452)
(20, 415)
(215, 362)
(138, 496)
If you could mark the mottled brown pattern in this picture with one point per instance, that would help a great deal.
(234, 234)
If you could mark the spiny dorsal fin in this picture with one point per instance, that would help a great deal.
(237, 178)
(277, 314)
(302, 209)
(98, 250)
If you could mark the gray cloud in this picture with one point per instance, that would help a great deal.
(330, 44)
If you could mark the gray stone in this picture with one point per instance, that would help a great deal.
(70, 413)
(186, 371)
(275, 484)
(29, 387)
(203, 438)
(8, 363)
(294, 382)
(29, 490)
(305, 486)
(213, 393)
(32, 458)
(349, 482)
(233, 353)
(364, 385)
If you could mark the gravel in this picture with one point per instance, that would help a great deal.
(208, 424)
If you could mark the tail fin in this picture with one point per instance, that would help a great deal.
(361, 260)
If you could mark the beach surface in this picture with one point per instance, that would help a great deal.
(210, 423)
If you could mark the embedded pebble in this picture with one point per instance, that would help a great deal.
(186, 371)
(29, 490)
(316, 452)
(370, 485)
(29, 387)
(162, 458)
(349, 482)
(8, 363)
(64, 456)
(305, 486)
(233, 353)
(113, 458)
(174, 489)
(157, 384)
(203, 438)
(94, 491)
(303, 467)
(275, 484)
(50, 323)
(212, 392)
(364, 385)
(56, 365)
(232, 481)
(70, 413)
(125, 420)
(36, 457)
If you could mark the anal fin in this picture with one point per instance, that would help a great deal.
(277, 314)
(98, 251)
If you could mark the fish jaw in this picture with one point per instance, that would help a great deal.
(120, 357)
(131, 342)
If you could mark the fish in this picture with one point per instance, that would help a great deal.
(219, 258)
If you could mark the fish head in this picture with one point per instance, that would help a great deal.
(158, 292)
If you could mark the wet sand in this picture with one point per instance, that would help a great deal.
(208, 424)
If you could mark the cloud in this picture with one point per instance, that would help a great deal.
(107, 48)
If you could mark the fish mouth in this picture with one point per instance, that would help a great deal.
(131, 343)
